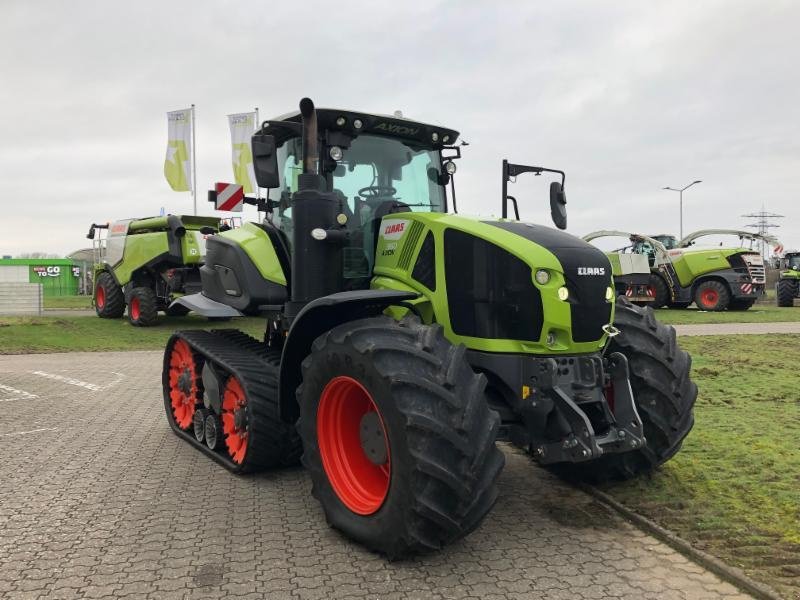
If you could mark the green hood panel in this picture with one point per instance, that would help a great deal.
(402, 236)
(258, 247)
(691, 263)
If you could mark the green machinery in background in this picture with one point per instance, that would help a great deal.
(145, 264)
(403, 340)
(715, 278)
(631, 270)
(788, 286)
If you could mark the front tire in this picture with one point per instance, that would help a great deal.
(786, 291)
(109, 301)
(712, 296)
(398, 436)
(142, 307)
(663, 392)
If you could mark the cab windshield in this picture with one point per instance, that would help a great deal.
(376, 176)
(793, 261)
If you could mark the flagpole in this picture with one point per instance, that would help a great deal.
(194, 164)
(258, 125)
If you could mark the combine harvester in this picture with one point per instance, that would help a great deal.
(402, 341)
(145, 264)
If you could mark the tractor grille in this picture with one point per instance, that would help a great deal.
(755, 266)
(587, 293)
(404, 260)
(490, 291)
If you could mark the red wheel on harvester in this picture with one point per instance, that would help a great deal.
(100, 298)
(183, 390)
(712, 295)
(353, 445)
(135, 308)
(234, 420)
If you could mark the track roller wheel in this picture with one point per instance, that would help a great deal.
(235, 419)
(213, 432)
(199, 423)
(184, 376)
(398, 435)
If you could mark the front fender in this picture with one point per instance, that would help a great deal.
(317, 317)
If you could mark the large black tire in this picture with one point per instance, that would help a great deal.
(176, 310)
(712, 295)
(109, 301)
(142, 307)
(786, 291)
(663, 392)
(741, 304)
(440, 432)
(661, 293)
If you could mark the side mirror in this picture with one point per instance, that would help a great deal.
(265, 161)
(558, 205)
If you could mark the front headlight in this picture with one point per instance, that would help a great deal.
(563, 294)
(609, 293)
(542, 277)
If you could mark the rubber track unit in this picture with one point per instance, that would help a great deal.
(786, 291)
(114, 306)
(442, 433)
(271, 441)
(663, 391)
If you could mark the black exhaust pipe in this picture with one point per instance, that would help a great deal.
(316, 259)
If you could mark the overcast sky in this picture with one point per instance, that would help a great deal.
(626, 99)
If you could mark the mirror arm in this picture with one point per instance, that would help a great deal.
(453, 193)
(516, 208)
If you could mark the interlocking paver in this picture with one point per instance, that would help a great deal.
(106, 502)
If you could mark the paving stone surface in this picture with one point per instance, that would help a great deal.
(737, 328)
(98, 499)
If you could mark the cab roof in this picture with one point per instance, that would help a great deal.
(421, 134)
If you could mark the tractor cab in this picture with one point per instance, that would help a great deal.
(791, 261)
(375, 165)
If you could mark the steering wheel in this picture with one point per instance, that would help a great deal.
(377, 191)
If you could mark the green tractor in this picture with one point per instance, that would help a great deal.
(715, 278)
(145, 264)
(788, 286)
(404, 340)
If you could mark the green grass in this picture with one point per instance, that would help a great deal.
(760, 313)
(67, 302)
(734, 488)
(23, 335)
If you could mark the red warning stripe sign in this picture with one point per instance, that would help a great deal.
(230, 196)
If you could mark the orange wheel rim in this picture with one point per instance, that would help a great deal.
(182, 384)
(100, 297)
(710, 298)
(135, 309)
(234, 420)
(359, 483)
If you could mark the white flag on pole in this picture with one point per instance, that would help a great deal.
(178, 164)
(242, 127)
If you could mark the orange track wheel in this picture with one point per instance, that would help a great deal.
(100, 297)
(234, 420)
(353, 445)
(182, 383)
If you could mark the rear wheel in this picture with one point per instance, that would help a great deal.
(109, 301)
(142, 310)
(398, 436)
(662, 390)
(786, 292)
(712, 295)
(657, 288)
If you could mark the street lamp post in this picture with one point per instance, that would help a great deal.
(680, 191)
